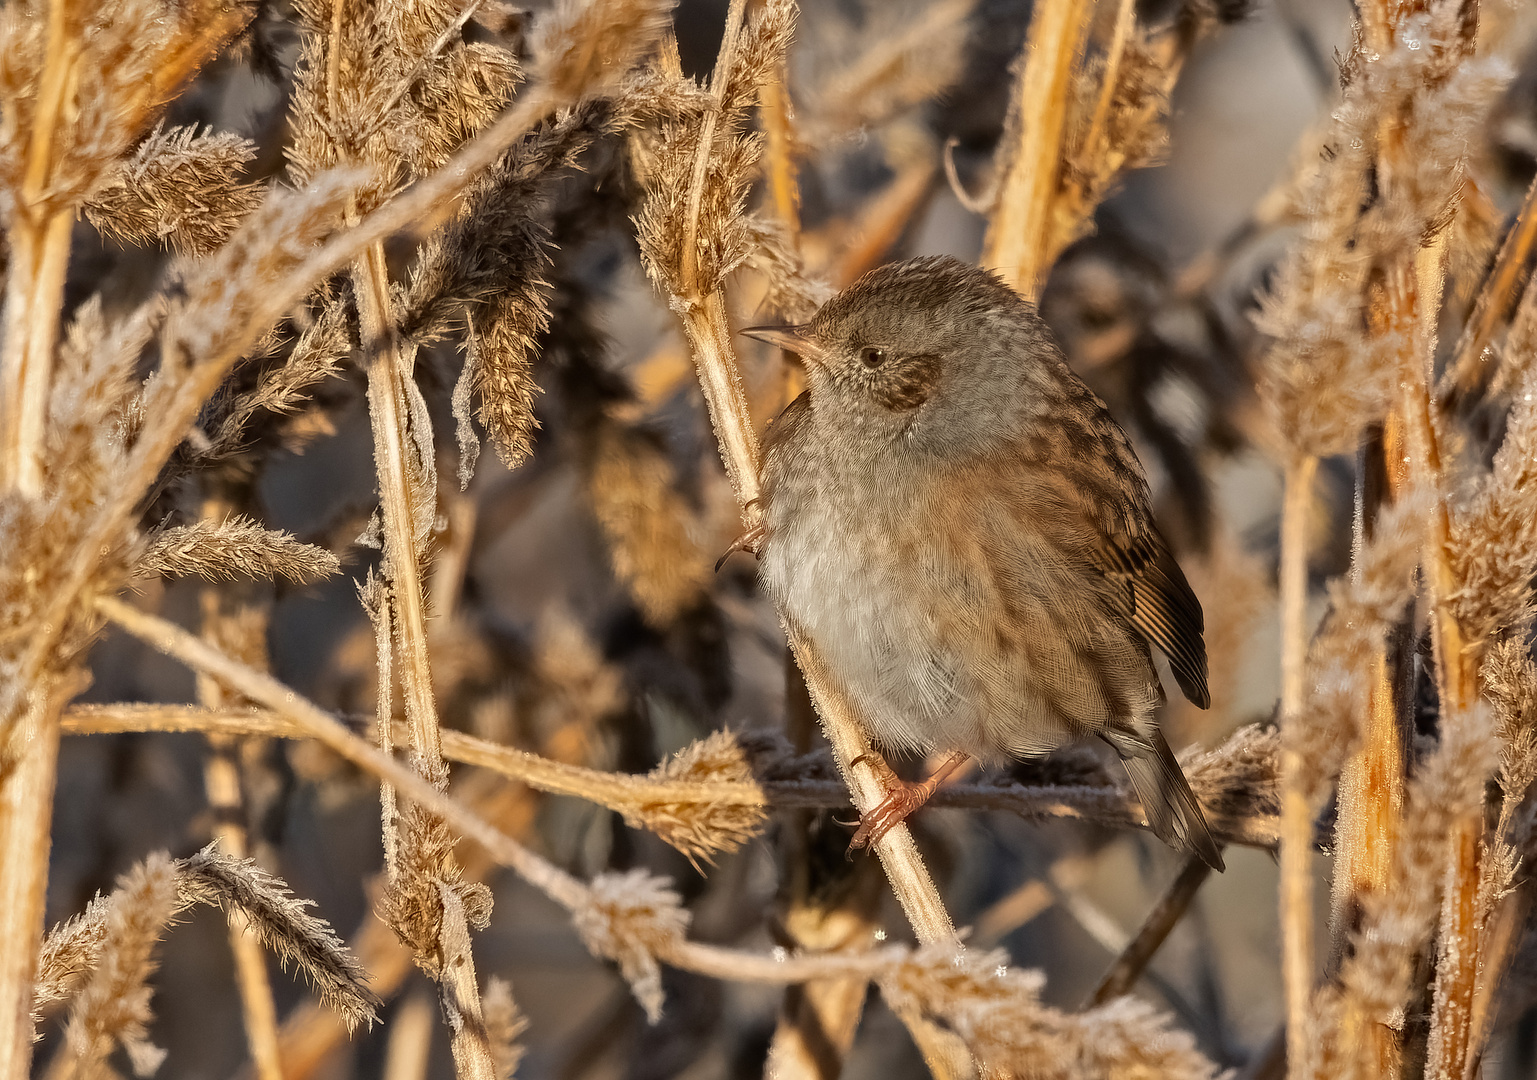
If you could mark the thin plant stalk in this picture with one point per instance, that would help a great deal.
(1371, 785)
(1296, 809)
(568, 891)
(625, 792)
(1171, 907)
(709, 336)
(221, 782)
(460, 992)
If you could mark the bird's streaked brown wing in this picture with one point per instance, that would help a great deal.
(1163, 606)
(1110, 522)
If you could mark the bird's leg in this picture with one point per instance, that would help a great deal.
(748, 541)
(902, 797)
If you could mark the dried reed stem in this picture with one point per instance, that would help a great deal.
(388, 418)
(26, 814)
(1020, 235)
(1459, 949)
(1494, 302)
(1371, 785)
(709, 338)
(1296, 810)
(39, 256)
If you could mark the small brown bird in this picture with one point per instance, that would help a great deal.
(966, 535)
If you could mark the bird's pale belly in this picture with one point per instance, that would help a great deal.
(871, 613)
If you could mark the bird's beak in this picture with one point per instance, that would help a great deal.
(796, 339)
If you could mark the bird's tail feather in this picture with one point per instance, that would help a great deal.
(1172, 810)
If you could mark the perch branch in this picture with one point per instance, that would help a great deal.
(625, 792)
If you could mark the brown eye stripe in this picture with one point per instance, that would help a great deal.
(908, 381)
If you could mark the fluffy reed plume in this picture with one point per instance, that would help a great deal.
(102, 959)
(649, 527)
(112, 1006)
(1012, 1034)
(630, 918)
(1511, 687)
(178, 188)
(1494, 536)
(489, 266)
(1334, 362)
(70, 950)
(237, 547)
(504, 1023)
(698, 827)
(279, 920)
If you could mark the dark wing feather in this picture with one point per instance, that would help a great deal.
(1163, 606)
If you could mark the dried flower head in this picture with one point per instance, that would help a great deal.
(633, 919)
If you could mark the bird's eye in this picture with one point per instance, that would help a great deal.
(872, 356)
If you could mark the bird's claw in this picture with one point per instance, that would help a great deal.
(902, 798)
(748, 541)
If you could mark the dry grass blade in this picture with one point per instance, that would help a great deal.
(235, 548)
(282, 924)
